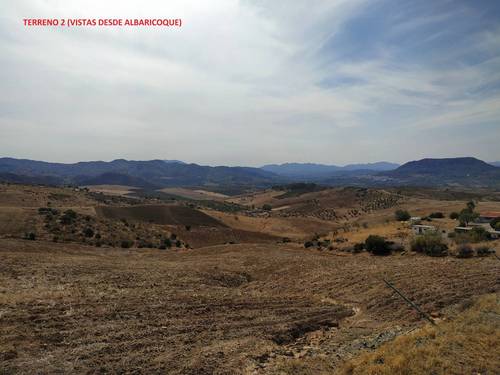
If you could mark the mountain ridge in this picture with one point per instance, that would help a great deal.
(155, 174)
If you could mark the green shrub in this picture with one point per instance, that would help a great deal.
(358, 247)
(126, 244)
(308, 244)
(377, 245)
(495, 223)
(454, 215)
(68, 217)
(30, 236)
(402, 215)
(436, 215)
(430, 244)
(88, 232)
(483, 251)
(267, 207)
(479, 234)
(465, 251)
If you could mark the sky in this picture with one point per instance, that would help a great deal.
(252, 82)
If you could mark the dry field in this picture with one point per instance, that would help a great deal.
(119, 190)
(230, 309)
(196, 194)
(241, 301)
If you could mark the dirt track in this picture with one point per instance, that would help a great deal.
(221, 310)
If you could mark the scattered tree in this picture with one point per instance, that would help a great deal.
(267, 207)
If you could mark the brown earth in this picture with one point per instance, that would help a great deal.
(252, 306)
(219, 310)
(159, 214)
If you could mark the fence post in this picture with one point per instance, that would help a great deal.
(423, 314)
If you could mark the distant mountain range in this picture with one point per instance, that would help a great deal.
(145, 174)
(320, 171)
(155, 174)
(495, 163)
(465, 171)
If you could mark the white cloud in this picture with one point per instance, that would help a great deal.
(239, 83)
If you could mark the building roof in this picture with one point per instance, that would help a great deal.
(490, 214)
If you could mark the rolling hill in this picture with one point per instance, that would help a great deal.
(466, 171)
(146, 174)
(313, 171)
(157, 174)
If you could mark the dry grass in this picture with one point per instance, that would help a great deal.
(468, 344)
(119, 190)
(195, 194)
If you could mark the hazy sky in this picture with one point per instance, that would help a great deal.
(253, 81)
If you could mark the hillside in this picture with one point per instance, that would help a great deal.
(466, 171)
(145, 174)
(313, 171)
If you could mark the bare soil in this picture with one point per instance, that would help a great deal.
(219, 310)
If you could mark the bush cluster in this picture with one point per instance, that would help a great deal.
(436, 215)
(402, 215)
(377, 245)
(430, 244)
(465, 251)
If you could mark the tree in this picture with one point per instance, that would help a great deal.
(454, 215)
(267, 207)
(466, 216)
(402, 215)
(377, 245)
(471, 206)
